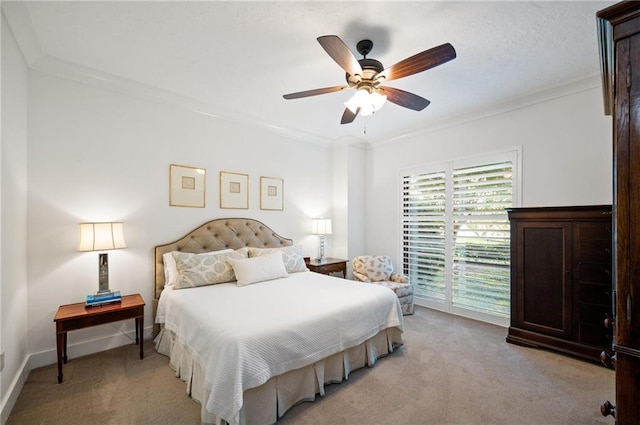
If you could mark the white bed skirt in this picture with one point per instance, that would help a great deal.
(263, 405)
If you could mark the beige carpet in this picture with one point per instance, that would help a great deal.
(450, 371)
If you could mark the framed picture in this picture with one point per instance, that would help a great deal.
(234, 190)
(271, 193)
(186, 186)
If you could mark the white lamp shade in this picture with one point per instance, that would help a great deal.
(377, 100)
(321, 226)
(101, 236)
(368, 103)
(357, 100)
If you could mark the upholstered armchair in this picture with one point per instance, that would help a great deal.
(378, 269)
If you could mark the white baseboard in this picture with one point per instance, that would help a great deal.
(45, 358)
(14, 390)
(84, 348)
(439, 306)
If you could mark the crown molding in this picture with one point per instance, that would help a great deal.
(71, 71)
(17, 16)
(568, 89)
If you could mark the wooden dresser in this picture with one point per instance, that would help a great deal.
(619, 35)
(561, 268)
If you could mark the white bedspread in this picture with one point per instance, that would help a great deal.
(242, 336)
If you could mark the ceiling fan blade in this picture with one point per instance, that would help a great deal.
(418, 63)
(404, 98)
(348, 116)
(340, 53)
(314, 92)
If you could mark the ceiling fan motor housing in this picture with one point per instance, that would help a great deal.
(370, 68)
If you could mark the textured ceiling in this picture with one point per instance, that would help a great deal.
(236, 59)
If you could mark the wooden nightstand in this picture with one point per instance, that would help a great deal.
(77, 316)
(332, 265)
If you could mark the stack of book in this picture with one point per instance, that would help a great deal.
(102, 298)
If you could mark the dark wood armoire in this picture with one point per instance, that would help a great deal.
(619, 37)
(561, 272)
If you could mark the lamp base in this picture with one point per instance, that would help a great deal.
(321, 259)
(103, 272)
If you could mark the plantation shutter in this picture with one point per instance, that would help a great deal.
(423, 230)
(481, 238)
(456, 235)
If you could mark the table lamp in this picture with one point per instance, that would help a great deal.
(321, 226)
(101, 237)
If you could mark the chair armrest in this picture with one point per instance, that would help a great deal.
(399, 278)
(361, 277)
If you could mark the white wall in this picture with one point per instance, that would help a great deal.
(357, 184)
(349, 165)
(96, 155)
(566, 159)
(13, 222)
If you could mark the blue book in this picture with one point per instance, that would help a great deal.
(105, 302)
(101, 298)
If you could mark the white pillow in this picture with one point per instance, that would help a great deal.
(171, 270)
(291, 255)
(258, 269)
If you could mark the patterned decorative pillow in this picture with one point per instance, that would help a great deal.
(374, 268)
(205, 269)
(291, 255)
(258, 269)
(171, 270)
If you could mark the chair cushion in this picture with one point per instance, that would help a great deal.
(401, 289)
(377, 268)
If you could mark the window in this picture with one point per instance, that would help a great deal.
(455, 234)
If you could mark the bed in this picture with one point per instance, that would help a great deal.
(251, 348)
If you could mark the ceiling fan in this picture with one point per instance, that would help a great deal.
(367, 76)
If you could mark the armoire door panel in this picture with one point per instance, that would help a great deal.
(630, 297)
(546, 298)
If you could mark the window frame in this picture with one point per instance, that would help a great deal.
(511, 154)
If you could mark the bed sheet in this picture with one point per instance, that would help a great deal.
(243, 336)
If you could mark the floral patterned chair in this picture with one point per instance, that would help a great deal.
(378, 269)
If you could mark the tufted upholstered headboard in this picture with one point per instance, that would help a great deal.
(215, 235)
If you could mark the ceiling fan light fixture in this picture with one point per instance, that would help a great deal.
(367, 102)
(367, 75)
(377, 100)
